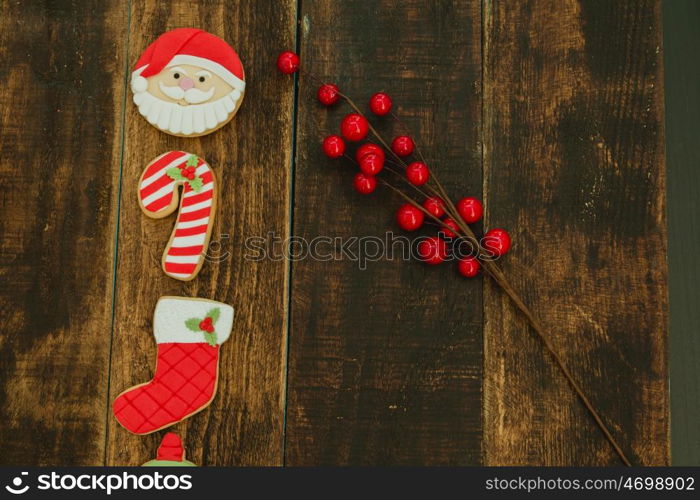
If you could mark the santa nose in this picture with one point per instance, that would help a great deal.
(186, 83)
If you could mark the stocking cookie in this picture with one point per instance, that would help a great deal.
(188, 83)
(170, 453)
(189, 334)
(158, 197)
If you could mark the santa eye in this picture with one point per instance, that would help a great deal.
(201, 79)
(176, 75)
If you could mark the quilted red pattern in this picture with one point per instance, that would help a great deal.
(184, 382)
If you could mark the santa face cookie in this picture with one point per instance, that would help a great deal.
(188, 83)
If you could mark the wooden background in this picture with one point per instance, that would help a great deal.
(682, 102)
(550, 110)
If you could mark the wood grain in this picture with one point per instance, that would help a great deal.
(59, 137)
(385, 362)
(574, 167)
(244, 424)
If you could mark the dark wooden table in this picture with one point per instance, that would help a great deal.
(551, 111)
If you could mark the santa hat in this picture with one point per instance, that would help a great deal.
(189, 46)
(171, 448)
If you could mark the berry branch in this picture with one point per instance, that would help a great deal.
(453, 219)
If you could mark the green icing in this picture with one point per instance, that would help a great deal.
(210, 338)
(214, 314)
(168, 463)
(193, 324)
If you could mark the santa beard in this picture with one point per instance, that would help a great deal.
(186, 120)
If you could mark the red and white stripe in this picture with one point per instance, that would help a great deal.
(184, 254)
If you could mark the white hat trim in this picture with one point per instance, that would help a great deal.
(208, 64)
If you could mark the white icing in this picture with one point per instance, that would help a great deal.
(220, 111)
(229, 103)
(198, 121)
(177, 119)
(164, 117)
(210, 116)
(172, 312)
(175, 124)
(154, 112)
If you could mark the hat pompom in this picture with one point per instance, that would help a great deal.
(139, 84)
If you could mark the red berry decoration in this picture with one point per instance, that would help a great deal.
(288, 62)
(402, 145)
(333, 146)
(417, 173)
(470, 209)
(409, 218)
(432, 250)
(380, 103)
(364, 184)
(451, 223)
(328, 94)
(435, 206)
(206, 325)
(354, 127)
(371, 164)
(469, 267)
(368, 148)
(496, 241)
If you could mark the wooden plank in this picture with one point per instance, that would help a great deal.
(574, 168)
(385, 363)
(59, 137)
(682, 80)
(244, 424)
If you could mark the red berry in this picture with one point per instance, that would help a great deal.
(402, 145)
(451, 223)
(288, 62)
(354, 127)
(368, 148)
(417, 173)
(470, 209)
(469, 267)
(380, 103)
(203, 324)
(409, 217)
(364, 184)
(432, 250)
(328, 94)
(496, 241)
(190, 176)
(435, 206)
(333, 146)
(371, 164)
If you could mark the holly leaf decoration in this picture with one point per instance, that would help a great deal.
(210, 338)
(175, 174)
(196, 184)
(192, 161)
(193, 324)
(214, 314)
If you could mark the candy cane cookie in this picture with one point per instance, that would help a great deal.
(159, 194)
